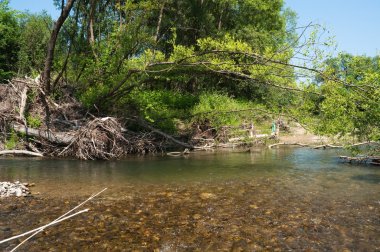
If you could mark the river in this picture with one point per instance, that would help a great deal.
(263, 200)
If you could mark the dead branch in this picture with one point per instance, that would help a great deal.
(167, 136)
(60, 218)
(23, 104)
(21, 152)
(50, 224)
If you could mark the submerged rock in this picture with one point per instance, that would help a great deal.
(206, 195)
(18, 189)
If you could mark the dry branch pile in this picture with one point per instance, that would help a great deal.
(104, 138)
(100, 138)
(71, 132)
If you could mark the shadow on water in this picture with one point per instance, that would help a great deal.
(369, 178)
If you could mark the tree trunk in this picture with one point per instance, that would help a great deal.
(220, 20)
(159, 22)
(51, 46)
(91, 22)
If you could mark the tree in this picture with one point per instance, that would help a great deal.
(35, 34)
(9, 44)
(350, 101)
(52, 42)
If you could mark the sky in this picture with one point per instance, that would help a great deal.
(355, 24)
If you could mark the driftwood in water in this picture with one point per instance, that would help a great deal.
(321, 146)
(178, 153)
(21, 152)
(341, 146)
(374, 160)
(324, 146)
(277, 144)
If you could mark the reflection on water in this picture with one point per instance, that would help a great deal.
(281, 199)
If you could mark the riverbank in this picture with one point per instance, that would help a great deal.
(65, 128)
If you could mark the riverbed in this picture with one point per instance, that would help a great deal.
(263, 200)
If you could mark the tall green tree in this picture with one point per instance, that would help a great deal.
(34, 37)
(350, 98)
(9, 41)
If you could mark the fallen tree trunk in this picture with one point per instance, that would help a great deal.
(373, 160)
(53, 137)
(328, 146)
(21, 152)
(277, 144)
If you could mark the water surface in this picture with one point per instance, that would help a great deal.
(281, 199)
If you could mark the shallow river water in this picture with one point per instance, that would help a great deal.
(285, 199)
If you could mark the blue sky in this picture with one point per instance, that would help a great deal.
(354, 23)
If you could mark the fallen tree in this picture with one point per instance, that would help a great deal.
(48, 135)
(21, 152)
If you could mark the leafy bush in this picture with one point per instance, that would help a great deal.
(221, 110)
(163, 107)
(9, 44)
(33, 122)
(12, 141)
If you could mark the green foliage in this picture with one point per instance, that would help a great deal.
(253, 21)
(12, 141)
(350, 102)
(9, 41)
(164, 108)
(221, 110)
(33, 122)
(33, 41)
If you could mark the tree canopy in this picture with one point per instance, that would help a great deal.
(173, 62)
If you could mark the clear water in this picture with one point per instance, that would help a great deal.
(300, 198)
